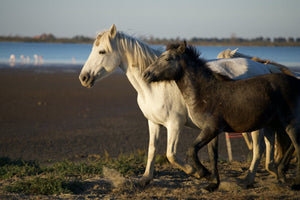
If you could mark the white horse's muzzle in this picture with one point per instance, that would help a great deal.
(87, 80)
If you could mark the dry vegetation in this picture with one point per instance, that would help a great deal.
(105, 177)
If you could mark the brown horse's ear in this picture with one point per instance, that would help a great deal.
(181, 48)
(113, 31)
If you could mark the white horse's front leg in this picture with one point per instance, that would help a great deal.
(173, 136)
(154, 130)
(258, 147)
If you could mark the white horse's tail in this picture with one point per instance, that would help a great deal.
(272, 66)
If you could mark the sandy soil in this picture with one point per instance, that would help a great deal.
(45, 114)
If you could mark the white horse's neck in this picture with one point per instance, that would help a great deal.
(136, 56)
(162, 102)
(134, 76)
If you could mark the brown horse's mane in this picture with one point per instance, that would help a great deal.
(201, 64)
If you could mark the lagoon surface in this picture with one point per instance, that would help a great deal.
(66, 53)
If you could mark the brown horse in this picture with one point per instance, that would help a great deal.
(217, 103)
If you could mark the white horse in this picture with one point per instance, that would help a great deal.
(272, 66)
(161, 103)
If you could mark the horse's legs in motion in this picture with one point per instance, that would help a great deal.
(258, 147)
(247, 140)
(213, 158)
(154, 130)
(270, 142)
(173, 136)
(206, 135)
(293, 130)
(285, 150)
(284, 163)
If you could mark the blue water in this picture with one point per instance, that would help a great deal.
(55, 54)
(51, 53)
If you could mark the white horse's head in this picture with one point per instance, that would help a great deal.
(103, 59)
(228, 53)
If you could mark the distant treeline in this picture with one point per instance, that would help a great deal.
(232, 41)
(47, 38)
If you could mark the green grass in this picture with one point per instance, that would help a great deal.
(37, 185)
(29, 177)
(19, 168)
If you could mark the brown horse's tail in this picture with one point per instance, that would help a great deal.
(279, 67)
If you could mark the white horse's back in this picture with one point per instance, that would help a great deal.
(238, 68)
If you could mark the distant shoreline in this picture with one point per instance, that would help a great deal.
(198, 42)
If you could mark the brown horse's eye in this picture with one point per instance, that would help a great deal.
(102, 52)
(168, 59)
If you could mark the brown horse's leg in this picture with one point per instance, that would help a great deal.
(284, 163)
(293, 130)
(204, 138)
(282, 143)
(214, 181)
(296, 185)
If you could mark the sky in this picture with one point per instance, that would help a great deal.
(158, 18)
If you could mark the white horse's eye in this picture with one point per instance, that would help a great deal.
(102, 52)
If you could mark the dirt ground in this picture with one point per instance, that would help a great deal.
(46, 115)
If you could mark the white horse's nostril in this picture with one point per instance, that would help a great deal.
(84, 77)
(86, 80)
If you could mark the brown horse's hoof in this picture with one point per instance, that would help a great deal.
(248, 182)
(212, 187)
(295, 187)
(213, 183)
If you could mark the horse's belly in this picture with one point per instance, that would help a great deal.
(244, 122)
(240, 128)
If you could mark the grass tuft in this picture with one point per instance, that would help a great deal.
(19, 168)
(65, 176)
(45, 186)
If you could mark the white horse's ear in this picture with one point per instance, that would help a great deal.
(233, 52)
(181, 48)
(113, 31)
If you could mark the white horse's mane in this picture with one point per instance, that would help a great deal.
(142, 54)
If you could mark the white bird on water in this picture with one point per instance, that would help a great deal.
(12, 60)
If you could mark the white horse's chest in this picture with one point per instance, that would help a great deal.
(162, 103)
